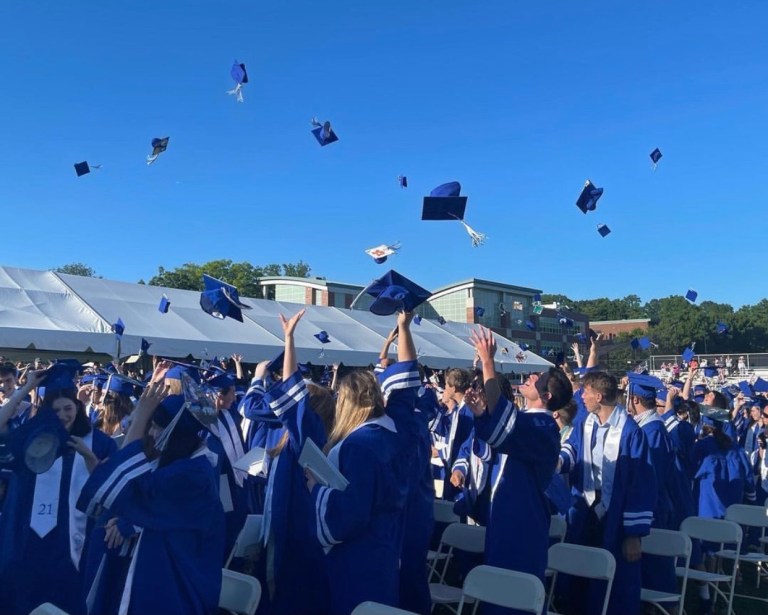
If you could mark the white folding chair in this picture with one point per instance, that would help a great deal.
(667, 543)
(721, 532)
(748, 516)
(507, 588)
(461, 537)
(247, 542)
(443, 512)
(558, 526)
(580, 561)
(376, 608)
(240, 593)
(48, 609)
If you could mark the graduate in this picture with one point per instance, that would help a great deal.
(614, 495)
(292, 551)
(529, 442)
(43, 536)
(361, 527)
(172, 495)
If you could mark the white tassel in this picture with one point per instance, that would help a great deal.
(151, 158)
(478, 239)
(237, 92)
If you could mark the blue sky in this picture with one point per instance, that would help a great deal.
(519, 101)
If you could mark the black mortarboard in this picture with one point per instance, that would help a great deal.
(722, 327)
(145, 345)
(444, 203)
(323, 133)
(60, 376)
(603, 230)
(691, 295)
(118, 328)
(323, 337)
(403, 181)
(656, 155)
(644, 385)
(38, 441)
(83, 168)
(158, 147)
(589, 196)
(479, 311)
(220, 299)
(394, 292)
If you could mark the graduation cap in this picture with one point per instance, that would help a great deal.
(589, 197)
(688, 354)
(158, 147)
(710, 371)
(276, 364)
(537, 298)
(417, 319)
(304, 369)
(760, 386)
(746, 388)
(221, 382)
(118, 328)
(603, 230)
(479, 311)
(145, 345)
(394, 292)
(83, 168)
(691, 295)
(179, 369)
(240, 77)
(538, 309)
(656, 155)
(529, 324)
(323, 132)
(165, 305)
(713, 416)
(380, 253)
(60, 376)
(190, 412)
(403, 181)
(565, 321)
(122, 385)
(39, 441)
(644, 385)
(441, 320)
(220, 299)
(524, 346)
(644, 343)
(323, 337)
(722, 328)
(445, 203)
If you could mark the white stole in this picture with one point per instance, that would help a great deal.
(616, 422)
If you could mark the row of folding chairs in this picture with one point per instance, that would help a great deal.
(240, 595)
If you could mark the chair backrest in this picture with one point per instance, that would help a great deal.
(712, 530)
(667, 543)
(239, 592)
(507, 588)
(558, 526)
(745, 514)
(580, 561)
(376, 608)
(444, 512)
(470, 538)
(48, 609)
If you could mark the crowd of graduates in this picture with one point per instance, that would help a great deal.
(123, 494)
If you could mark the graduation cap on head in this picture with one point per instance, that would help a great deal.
(656, 155)
(83, 168)
(122, 385)
(688, 354)
(118, 328)
(221, 382)
(165, 305)
(220, 299)
(603, 230)
(60, 377)
(323, 132)
(179, 369)
(394, 292)
(190, 412)
(529, 324)
(158, 147)
(240, 77)
(691, 295)
(323, 337)
(380, 253)
(403, 181)
(644, 385)
(722, 328)
(479, 311)
(39, 441)
(445, 203)
(589, 197)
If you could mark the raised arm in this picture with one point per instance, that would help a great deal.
(406, 349)
(485, 346)
(592, 360)
(8, 409)
(289, 326)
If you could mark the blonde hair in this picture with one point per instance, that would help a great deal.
(359, 400)
(321, 403)
(114, 409)
(174, 386)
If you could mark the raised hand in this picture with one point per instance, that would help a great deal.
(484, 343)
(289, 325)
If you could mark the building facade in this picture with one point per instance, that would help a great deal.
(611, 328)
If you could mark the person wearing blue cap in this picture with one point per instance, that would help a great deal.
(527, 443)
(291, 550)
(372, 445)
(42, 534)
(167, 485)
(615, 494)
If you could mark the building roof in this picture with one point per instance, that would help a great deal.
(627, 321)
(488, 284)
(311, 282)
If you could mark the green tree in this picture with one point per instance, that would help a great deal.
(77, 269)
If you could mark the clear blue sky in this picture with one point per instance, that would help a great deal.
(519, 101)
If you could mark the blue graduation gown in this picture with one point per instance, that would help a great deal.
(293, 553)
(474, 461)
(256, 427)
(722, 478)
(449, 432)
(362, 527)
(35, 569)
(626, 508)
(176, 565)
(529, 442)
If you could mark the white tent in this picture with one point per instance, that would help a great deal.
(60, 312)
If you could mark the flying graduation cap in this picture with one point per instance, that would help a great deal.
(240, 77)
(323, 132)
(118, 328)
(444, 203)
(656, 155)
(403, 181)
(589, 197)
(722, 328)
(691, 295)
(83, 168)
(640, 343)
(220, 299)
(323, 337)
(479, 311)
(603, 230)
(380, 253)
(165, 304)
(393, 292)
(158, 147)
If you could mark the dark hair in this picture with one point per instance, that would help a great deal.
(460, 379)
(568, 411)
(558, 386)
(506, 388)
(603, 383)
(723, 440)
(8, 369)
(180, 445)
(81, 426)
(645, 402)
(719, 400)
